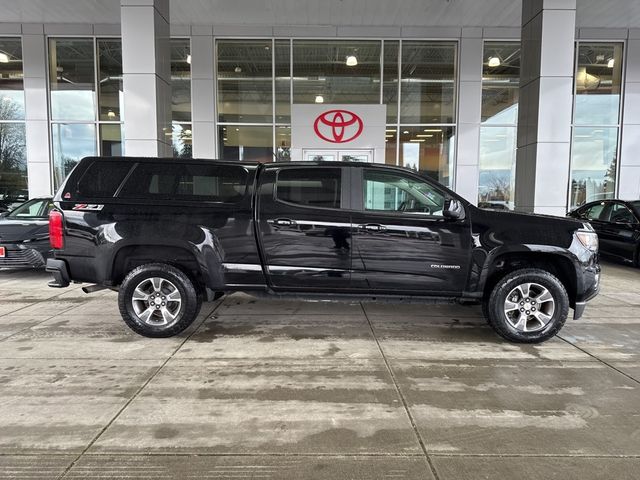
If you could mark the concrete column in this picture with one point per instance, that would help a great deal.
(629, 173)
(203, 111)
(146, 68)
(34, 54)
(545, 106)
(469, 114)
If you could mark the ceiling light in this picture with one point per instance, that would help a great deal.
(237, 69)
(224, 138)
(494, 62)
(391, 130)
(352, 61)
(4, 58)
(319, 99)
(611, 63)
(405, 132)
(187, 132)
(432, 130)
(237, 129)
(417, 140)
(111, 114)
(189, 59)
(424, 135)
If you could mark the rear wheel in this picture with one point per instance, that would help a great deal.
(158, 300)
(528, 306)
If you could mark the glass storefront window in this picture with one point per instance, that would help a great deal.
(598, 83)
(180, 80)
(244, 81)
(72, 79)
(283, 143)
(110, 79)
(500, 83)
(428, 82)
(240, 142)
(13, 158)
(428, 150)
(390, 79)
(283, 81)
(390, 144)
(71, 142)
(497, 167)
(111, 140)
(11, 80)
(13, 162)
(181, 139)
(593, 164)
(336, 71)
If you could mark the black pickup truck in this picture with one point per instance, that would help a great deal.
(170, 233)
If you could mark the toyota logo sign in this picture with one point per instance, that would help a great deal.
(338, 126)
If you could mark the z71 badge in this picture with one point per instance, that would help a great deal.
(88, 206)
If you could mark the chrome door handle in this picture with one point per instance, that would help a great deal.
(283, 222)
(373, 227)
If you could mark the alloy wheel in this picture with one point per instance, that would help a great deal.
(156, 301)
(529, 307)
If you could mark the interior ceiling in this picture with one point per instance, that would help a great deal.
(591, 13)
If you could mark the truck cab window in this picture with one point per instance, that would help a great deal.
(311, 187)
(386, 191)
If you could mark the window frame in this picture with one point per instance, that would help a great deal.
(358, 190)
(345, 183)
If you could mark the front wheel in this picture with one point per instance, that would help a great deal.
(528, 306)
(158, 300)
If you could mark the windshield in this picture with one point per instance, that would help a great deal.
(32, 208)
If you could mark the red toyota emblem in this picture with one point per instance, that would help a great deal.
(338, 126)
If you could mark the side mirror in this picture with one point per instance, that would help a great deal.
(452, 209)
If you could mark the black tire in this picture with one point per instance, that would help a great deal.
(532, 331)
(177, 310)
(636, 257)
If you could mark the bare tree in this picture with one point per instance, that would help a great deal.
(13, 165)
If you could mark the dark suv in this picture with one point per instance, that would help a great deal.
(168, 233)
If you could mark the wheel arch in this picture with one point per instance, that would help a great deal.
(558, 264)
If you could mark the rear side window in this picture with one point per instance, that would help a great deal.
(312, 187)
(213, 183)
(102, 179)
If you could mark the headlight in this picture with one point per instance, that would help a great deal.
(588, 239)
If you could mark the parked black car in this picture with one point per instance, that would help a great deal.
(24, 234)
(617, 224)
(169, 232)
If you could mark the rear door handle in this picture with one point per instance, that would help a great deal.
(373, 227)
(283, 222)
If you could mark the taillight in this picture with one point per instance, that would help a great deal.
(56, 230)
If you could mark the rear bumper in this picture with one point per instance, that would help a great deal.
(60, 272)
(17, 256)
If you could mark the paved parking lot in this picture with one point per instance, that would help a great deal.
(292, 390)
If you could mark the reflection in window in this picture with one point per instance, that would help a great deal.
(390, 144)
(399, 193)
(239, 142)
(596, 122)
(110, 79)
(390, 86)
(111, 139)
(244, 81)
(181, 139)
(428, 82)
(500, 82)
(11, 80)
(593, 164)
(72, 79)
(497, 167)
(71, 142)
(283, 142)
(428, 150)
(283, 80)
(336, 71)
(180, 80)
(598, 83)
(13, 161)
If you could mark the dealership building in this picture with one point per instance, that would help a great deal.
(532, 104)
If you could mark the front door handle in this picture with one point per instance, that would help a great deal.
(373, 227)
(283, 222)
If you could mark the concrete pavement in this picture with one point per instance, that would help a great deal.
(294, 390)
